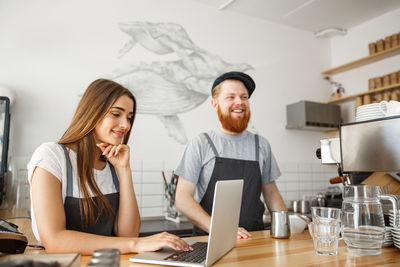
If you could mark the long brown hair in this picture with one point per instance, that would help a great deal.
(93, 106)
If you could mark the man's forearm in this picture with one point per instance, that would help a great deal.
(277, 203)
(273, 198)
(194, 212)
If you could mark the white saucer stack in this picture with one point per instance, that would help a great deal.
(395, 229)
(391, 218)
(396, 236)
(388, 240)
(369, 112)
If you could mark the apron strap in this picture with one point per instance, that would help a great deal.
(211, 144)
(69, 172)
(257, 147)
(114, 177)
(257, 150)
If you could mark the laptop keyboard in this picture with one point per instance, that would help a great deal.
(198, 254)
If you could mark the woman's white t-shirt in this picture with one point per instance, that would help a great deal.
(50, 156)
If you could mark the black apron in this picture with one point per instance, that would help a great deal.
(252, 208)
(104, 224)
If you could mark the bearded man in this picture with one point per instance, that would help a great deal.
(226, 153)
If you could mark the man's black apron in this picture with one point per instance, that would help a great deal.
(104, 225)
(252, 208)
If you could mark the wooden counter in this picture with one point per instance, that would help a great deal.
(261, 250)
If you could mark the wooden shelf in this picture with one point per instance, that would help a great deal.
(364, 61)
(332, 133)
(370, 92)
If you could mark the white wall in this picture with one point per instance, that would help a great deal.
(353, 46)
(51, 50)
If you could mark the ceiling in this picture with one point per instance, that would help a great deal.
(309, 15)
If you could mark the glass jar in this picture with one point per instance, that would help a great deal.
(363, 223)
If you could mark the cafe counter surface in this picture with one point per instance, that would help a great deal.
(262, 250)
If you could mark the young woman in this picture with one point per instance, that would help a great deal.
(81, 187)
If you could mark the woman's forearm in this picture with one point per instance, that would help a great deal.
(128, 217)
(67, 241)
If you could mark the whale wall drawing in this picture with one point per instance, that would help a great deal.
(167, 88)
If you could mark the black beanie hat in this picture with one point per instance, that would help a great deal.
(236, 75)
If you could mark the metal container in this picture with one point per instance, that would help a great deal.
(105, 257)
(305, 207)
(296, 207)
(319, 201)
(280, 224)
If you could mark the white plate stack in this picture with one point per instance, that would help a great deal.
(391, 218)
(388, 240)
(369, 112)
(395, 229)
(396, 236)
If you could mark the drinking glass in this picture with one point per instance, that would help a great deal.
(325, 238)
(323, 215)
(325, 230)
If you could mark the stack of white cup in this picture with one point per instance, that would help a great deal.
(378, 110)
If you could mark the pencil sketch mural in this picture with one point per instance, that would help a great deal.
(167, 88)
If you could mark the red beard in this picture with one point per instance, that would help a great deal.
(235, 125)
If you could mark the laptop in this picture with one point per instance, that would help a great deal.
(221, 239)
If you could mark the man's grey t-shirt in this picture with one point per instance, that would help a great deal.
(197, 162)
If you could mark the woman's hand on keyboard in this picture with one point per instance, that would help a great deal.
(156, 242)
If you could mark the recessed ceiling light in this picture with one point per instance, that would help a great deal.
(330, 32)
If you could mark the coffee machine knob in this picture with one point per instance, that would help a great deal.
(318, 153)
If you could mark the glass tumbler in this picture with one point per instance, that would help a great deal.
(324, 215)
(325, 238)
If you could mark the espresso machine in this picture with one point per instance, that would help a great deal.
(363, 148)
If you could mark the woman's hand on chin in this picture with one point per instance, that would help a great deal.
(117, 155)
